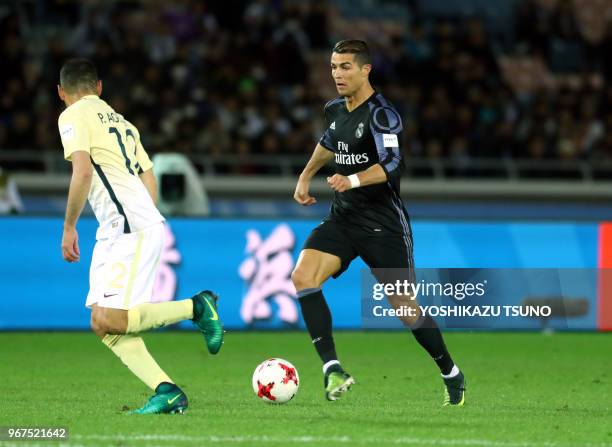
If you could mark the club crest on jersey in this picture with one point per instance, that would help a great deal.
(359, 131)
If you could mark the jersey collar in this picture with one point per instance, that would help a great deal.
(360, 105)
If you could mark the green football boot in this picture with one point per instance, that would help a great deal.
(336, 384)
(454, 393)
(206, 318)
(168, 399)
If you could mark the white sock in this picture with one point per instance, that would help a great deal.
(451, 374)
(328, 364)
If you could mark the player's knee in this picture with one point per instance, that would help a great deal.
(101, 323)
(114, 326)
(94, 323)
(303, 280)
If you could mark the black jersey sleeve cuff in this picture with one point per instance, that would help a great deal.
(328, 148)
(390, 174)
(384, 168)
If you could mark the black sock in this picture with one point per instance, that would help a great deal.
(318, 321)
(429, 336)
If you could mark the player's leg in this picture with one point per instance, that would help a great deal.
(327, 252)
(201, 309)
(109, 325)
(122, 279)
(313, 268)
(411, 312)
(133, 353)
(114, 327)
(125, 305)
(428, 335)
(391, 259)
(109, 284)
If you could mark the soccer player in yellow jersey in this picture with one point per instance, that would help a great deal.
(111, 169)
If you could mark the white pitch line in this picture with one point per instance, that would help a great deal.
(321, 440)
(45, 443)
(50, 443)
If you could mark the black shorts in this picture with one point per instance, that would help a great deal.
(378, 249)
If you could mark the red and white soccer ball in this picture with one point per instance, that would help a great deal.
(276, 381)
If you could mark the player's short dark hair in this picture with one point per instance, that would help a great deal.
(357, 47)
(79, 75)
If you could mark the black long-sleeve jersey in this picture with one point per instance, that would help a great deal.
(368, 135)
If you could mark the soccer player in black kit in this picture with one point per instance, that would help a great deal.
(367, 217)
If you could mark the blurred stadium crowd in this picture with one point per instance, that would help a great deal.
(529, 80)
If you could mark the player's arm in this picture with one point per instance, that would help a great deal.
(371, 176)
(74, 133)
(80, 183)
(148, 178)
(319, 158)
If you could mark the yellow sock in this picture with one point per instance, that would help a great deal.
(134, 354)
(153, 315)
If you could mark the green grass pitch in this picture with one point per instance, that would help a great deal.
(524, 389)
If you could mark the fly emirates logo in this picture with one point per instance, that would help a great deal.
(344, 158)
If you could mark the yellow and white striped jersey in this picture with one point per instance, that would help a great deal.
(117, 196)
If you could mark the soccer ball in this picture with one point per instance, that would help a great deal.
(275, 381)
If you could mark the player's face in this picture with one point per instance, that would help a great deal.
(347, 74)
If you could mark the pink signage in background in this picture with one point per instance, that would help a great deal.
(164, 288)
(267, 272)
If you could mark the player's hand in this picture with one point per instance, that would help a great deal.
(339, 182)
(301, 194)
(70, 245)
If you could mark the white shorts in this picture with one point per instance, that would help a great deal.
(122, 271)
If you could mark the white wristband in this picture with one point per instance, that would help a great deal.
(354, 179)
